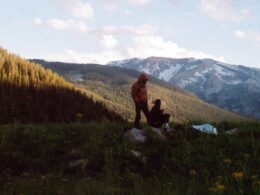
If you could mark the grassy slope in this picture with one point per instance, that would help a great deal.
(112, 85)
(29, 94)
(34, 159)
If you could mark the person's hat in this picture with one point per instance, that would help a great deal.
(143, 77)
(157, 101)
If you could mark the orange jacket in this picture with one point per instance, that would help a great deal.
(139, 90)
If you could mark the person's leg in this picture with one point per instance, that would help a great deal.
(160, 121)
(165, 120)
(137, 115)
(145, 109)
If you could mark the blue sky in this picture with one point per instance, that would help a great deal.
(100, 31)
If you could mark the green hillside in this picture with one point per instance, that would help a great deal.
(30, 93)
(35, 158)
(113, 84)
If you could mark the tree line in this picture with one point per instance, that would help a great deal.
(31, 93)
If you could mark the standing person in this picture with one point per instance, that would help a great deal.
(139, 95)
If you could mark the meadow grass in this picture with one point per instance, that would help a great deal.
(34, 160)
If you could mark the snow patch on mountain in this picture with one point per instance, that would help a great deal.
(206, 70)
(121, 63)
(184, 83)
(234, 82)
(198, 74)
(171, 72)
(191, 67)
(222, 71)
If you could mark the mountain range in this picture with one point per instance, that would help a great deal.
(232, 87)
(112, 86)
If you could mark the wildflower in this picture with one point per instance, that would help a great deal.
(241, 191)
(220, 186)
(193, 172)
(219, 177)
(237, 175)
(227, 161)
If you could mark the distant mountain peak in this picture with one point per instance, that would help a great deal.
(216, 82)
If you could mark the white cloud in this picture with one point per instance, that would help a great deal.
(240, 34)
(139, 46)
(112, 5)
(142, 30)
(128, 12)
(222, 10)
(37, 21)
(139, 41)
(80, 26)
(247, 35)
(158, 46)
(140, 2)
(58, 24)
(77, 9)
(246, 12)
(108, 41)
(82, 57)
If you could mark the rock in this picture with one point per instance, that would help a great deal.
(144, 159)
(78, 164)
(232, 131)
(206, 128)
(135, 135)
(158, 132)
(169, 130)
(136, 154)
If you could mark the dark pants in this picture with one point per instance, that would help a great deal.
(142, 106)
(160, 120)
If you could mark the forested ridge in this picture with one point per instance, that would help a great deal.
(31, 93)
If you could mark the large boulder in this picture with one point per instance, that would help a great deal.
(135, 136)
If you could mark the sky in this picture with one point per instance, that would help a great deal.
(100, 31)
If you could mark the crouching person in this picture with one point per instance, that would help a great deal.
(158, 118)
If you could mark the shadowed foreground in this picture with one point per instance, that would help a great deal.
(35, 158)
